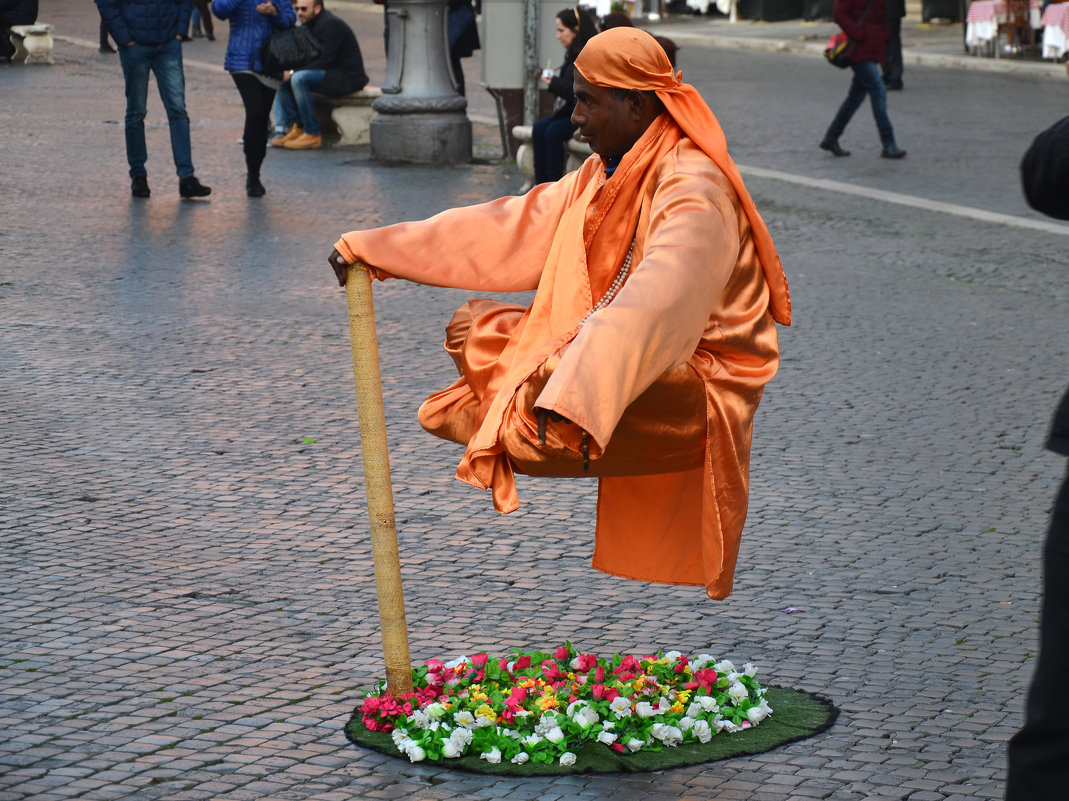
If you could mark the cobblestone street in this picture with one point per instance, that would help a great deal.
(187, 604)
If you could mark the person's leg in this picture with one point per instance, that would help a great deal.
(458, 72)
(303, 83)
(257, 99)
(538, 148)
(205, 18)
(854, 98)
(558, 132)
(136, 62)
(167, 67)
(868, 73)
(1039, 752)
(892, 65)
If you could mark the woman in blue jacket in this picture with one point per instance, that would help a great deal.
(251, 24)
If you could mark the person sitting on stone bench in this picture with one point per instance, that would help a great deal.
(338, 70)
(14, 12)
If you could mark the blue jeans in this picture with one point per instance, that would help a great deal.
(165, 61)
(295, 103)
(549, 137)
(867, 81)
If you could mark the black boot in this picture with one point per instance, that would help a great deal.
(253, 187)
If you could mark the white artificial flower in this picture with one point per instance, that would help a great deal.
(724, 666)
(567, 758)
(669, 735)
(586, 717)
(663, 705)
(464, 718)
(701, 660)
(492, 756)
(608, 725)
(621, 706)
(703, 731)
(420, 719)
(686, 723)
(607, 738)
(728, 726)
(575, 663)
(644, 709)
(555, 735)
(707, 703)
(416, 754)
(460, 660)
(634, 744)
(451, 750)
(397, 735)
(672, 656)
(738, 693)
(749, 670)
(532, 740)
(545, 723)
(436, 710)
(520, 758)
(756, 714)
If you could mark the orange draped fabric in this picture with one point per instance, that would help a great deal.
(699, 293)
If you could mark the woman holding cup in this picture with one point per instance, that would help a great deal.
(575, 26)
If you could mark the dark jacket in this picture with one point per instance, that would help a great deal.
(147, 22)
(18, 12)
(870, 36)
(249, 29)
(1045, 171)
(340, 58)
(561, 86)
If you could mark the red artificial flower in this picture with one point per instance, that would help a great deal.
(586, 662)
(522, 663)
(562, 652)
(479, 660)
(617, 747)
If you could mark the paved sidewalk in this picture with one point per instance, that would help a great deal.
(187, 606)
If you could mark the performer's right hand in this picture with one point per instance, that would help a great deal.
(340, 266)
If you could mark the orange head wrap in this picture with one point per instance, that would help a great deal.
(629, 58)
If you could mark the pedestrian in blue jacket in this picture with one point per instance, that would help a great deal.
(149, 34)
(251, 24)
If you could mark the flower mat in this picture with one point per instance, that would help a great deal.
(797, 715)
(569, 712)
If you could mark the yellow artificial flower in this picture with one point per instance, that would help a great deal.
(547, 702)
(677, 707)
(485, 711)
(684, 696)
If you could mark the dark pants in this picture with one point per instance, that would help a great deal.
(257, 99)
(1039, 752)
(548, 139)
(892, 65)
(866, 81)
(205, 17)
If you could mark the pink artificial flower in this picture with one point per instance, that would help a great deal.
(562, 652)
(599, 674)
(479, 660)
(522, 663)
(586, 662)
(598, 691)
(617, 747)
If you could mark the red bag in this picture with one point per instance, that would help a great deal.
(840, 51)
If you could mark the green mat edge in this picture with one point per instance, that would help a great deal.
(800, 715)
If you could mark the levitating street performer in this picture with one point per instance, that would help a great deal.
(651, 335)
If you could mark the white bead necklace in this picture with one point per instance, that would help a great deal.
(614, 287)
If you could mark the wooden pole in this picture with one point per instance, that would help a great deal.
(377, 481)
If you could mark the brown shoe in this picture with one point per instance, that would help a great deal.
(294, 131)
(305, 141)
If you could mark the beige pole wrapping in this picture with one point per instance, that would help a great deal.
(377, 481)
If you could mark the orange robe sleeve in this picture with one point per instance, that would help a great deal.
(500, 246)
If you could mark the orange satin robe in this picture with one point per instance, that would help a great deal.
(696, 294)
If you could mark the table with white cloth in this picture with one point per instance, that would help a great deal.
(986, 17)
(1056, 30)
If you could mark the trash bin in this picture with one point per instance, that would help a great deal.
(941, 9)
(770, 10)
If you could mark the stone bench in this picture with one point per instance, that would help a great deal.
(33, 43)
(578, 152)
(350, 115)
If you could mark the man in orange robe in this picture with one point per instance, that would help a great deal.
(649, 257)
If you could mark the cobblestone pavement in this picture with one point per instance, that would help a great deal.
(187, 605)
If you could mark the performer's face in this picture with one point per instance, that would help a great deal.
(609, 125)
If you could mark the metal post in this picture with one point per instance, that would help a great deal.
(421, 117)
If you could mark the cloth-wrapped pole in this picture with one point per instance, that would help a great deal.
(377, 481)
